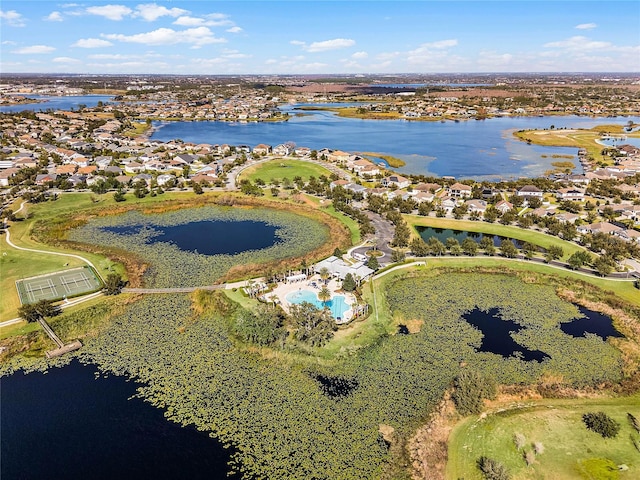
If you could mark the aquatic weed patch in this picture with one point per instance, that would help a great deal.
(443, 301)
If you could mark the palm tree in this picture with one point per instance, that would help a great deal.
(324, 295)
(324, 274)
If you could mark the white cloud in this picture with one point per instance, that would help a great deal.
(493, 59)
(197, 37)
(111, 12)
(152, 11)
(66, 60)
(34, 49)
(360, 55)
(586, 26)
(210, 20)
(92, 43)
(54, 17)
(579, 43)
(297, 42)
(235, 29)
(9, 42)
(326, 45)
(12, 18)
(120, 56)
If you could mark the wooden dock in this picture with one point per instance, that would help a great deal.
(62, 348)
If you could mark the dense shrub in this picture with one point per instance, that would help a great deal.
(470, 389)
(492, 469)
(601, 423)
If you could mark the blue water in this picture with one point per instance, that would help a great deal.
(57, 103)
(468, 149)
(336, 305)
(208, 237)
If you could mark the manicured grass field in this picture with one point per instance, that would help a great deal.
(558, 425)
(283, 168)
(526, 235)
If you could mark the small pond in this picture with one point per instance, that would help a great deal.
(211, 237)
(496, 335)
(592, 322)
(443, 233)
(74, 423)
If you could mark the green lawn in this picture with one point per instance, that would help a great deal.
(558, 425)
(283, 168)
(327, 207)
(537, 238)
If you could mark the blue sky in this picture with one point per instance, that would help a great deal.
(308, 37)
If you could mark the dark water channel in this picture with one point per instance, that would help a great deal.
(443, 233)
(497, 331)
(68, 424)
(210, 237)
(496, 335)
(590, 322)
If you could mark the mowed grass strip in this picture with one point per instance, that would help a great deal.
(526, 235)
(558, 425)
(280, 169)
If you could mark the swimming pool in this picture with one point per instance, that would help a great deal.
(337, 305)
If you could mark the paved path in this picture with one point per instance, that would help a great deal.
(67, 304)
(71, 255)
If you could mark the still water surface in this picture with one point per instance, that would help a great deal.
(468, 149)
(209, 237)
(69, 424)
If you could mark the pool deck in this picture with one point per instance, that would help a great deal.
(284, 289)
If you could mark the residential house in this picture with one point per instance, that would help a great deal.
(479, 206)
(396, 180)
(339, 156)
(448, 203)
(575, 194)
(567, 217)
(5, 175)
(600, 227)
(427, 187)
(44, 178)
(459, 190)
(530, 191)
(503, 206)
(262, 149)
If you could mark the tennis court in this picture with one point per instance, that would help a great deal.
(58, 285)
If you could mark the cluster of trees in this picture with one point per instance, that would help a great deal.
(32, 312)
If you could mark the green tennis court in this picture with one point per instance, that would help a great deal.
(58, 285)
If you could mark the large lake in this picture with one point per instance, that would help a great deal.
(468, 149)
(57, 103)
(73, 423)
